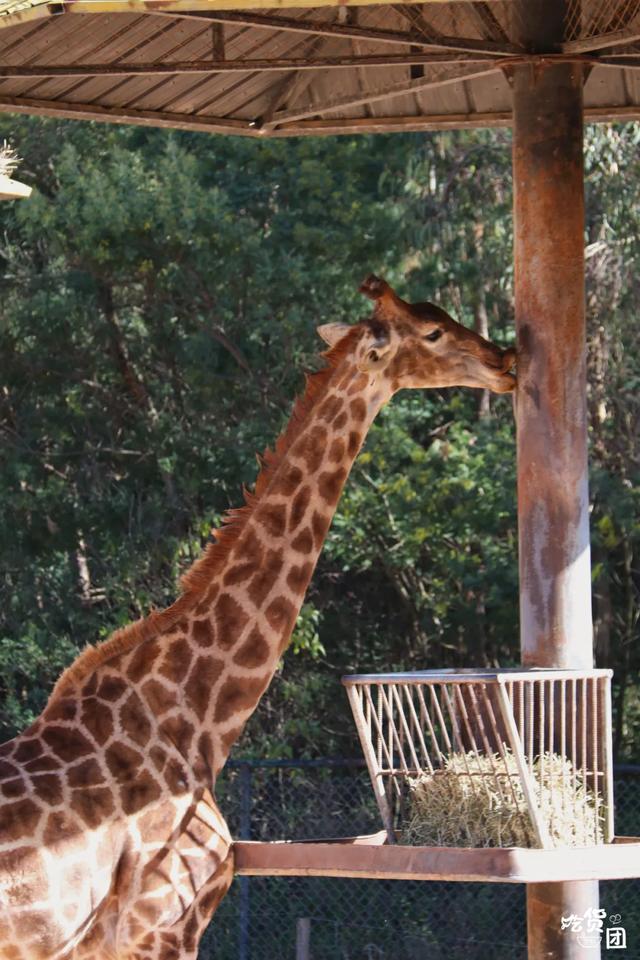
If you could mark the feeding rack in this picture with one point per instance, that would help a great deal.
(410, 724)
(537, 739)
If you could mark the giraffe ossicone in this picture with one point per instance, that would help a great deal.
(111, 844)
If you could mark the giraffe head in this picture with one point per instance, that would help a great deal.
(419, 345)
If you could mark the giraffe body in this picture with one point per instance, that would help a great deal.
(111, 844)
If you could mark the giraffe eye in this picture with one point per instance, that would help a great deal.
(433, 336)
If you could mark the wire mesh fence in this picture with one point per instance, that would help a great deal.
(264, 918)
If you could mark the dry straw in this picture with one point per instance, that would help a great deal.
(478, 801)
(9, 160)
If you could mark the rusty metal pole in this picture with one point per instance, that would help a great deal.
(555, 582)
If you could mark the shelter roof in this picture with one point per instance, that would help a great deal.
(252, 69)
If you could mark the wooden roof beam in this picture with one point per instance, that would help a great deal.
(314, 127)
(348, 30)
(294, 84)
(619, 62)
(143, 118)
(235, 66)
(612, 39)
(486, 20)
(401, 124)
(371, 96)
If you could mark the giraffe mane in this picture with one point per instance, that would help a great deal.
(199, 576)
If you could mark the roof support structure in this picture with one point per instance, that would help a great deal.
(248, 65)
(393, 90)
(553, 502)
(351, 31)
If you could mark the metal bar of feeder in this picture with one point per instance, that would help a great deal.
(418, 728)
(540, 829)
(606, 738)
(355, 695)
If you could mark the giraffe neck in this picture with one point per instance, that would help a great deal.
(244, 621)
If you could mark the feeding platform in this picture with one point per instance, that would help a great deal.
(534, 743)
(529, 750)
(13, 189)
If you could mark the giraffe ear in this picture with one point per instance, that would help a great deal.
(332, 332)
(377, 351)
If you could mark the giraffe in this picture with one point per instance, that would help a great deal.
(111, 843)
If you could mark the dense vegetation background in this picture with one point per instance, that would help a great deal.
(159, 296)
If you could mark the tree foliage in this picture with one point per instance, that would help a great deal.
(159, 295)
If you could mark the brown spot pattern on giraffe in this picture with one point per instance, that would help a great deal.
(209, 901)
(254, 651)
(139, 793)
(336, 451)
(19, 819)
(8, 769)
(123, 762)
(190, 929)
(143, 659)
(27, 750)
(205, 604)
(358, 384)
(281, 615)
(263, 582)
(320, 524)
(340, 421)
(202, 632)
(35, 926)
(93, 804)
(134, 719)
(112, 688)
(200, 683)
(159, 697)
(64, 709)
(177, 660)
(97, 719)
(42, 765)
(299, 507)
(311, 447)
(240, 572)
(176, 777)
(353, 446)
(90, 686)
(330, 408)
(67, 743)
(158, 757)
(330, 484)
(230, 620)
(238, 694)
(86, 774)
(358, 409)
(179, 732)
(49, 787)
(299, 577)
(12, 789)
(205, 750)
(228, 739)
(288, 480)
(273, 517)
(303, 543)
(60, 826)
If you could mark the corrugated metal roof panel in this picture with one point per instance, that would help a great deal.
(294, 70)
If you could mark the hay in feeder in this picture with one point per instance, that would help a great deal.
(9, 160)
(479, 802)
(10, 189)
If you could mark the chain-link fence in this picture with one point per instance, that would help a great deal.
(262, 918)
